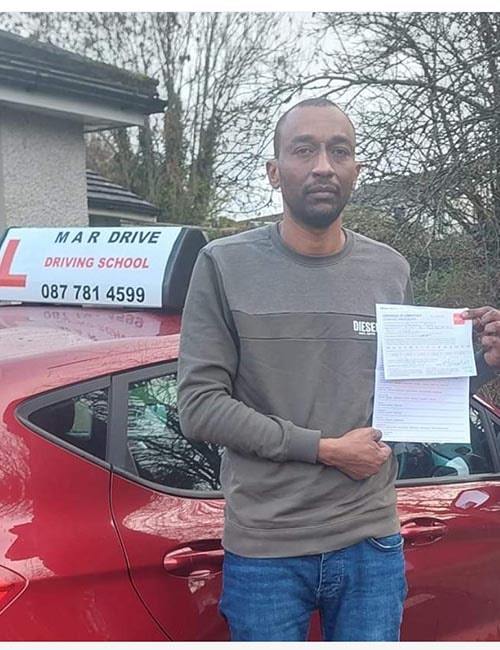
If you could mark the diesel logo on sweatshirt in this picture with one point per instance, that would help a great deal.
(364, 327)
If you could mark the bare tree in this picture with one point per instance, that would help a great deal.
(160, 451)
(425, 91)
(200, 157)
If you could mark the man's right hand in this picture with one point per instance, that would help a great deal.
(358, 453)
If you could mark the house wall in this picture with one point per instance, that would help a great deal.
(42, 171)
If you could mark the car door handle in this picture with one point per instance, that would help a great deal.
(423, 530)
(198, 559)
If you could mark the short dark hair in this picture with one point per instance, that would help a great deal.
(313, 101)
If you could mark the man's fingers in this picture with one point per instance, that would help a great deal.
(491, 316)
(481, 316)
(492, 328)
(489, 342)
(386, 450)
(478, 312)
(377, 434)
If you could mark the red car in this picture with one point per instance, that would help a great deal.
(111, 520)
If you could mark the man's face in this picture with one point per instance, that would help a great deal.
(315, 170)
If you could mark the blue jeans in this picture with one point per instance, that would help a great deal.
(359, 592)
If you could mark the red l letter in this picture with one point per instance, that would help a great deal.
(6, 279)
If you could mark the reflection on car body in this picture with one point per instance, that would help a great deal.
(111, 520)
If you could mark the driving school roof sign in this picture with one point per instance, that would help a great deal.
(134, 267)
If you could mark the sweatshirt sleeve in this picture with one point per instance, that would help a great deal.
(208, 364)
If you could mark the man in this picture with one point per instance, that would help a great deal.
(277, 365)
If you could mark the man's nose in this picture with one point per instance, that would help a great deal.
(323, 164)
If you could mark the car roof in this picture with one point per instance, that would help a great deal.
(42, 347)
(26, 330)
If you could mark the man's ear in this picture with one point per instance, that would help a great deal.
(359, 168)
(273, 173)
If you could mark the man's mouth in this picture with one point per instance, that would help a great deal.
(323, 191)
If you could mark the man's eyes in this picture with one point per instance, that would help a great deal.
(341, 152)
(304, 151)
(336, 152)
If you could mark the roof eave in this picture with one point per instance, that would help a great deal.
(92, 113)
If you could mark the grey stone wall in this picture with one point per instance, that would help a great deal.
(42, 171)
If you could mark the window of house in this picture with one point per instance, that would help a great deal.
(159, 450)
(81, 421)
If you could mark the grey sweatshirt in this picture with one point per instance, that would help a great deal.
(277, 350)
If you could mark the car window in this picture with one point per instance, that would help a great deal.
(81, 421)
(429, 460)
(496, 429)
(159, 451)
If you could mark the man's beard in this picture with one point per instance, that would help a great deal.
(316, 218)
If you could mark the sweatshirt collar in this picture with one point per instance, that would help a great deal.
(311, 260)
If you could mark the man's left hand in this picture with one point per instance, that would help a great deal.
(486, 322)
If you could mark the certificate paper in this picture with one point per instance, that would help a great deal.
(420, 410)
(425, 342)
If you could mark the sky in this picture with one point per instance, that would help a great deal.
(248, 5)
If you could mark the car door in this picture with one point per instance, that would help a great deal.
(449, 506)
(169, 514)
(56, 531)
(167, 506)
